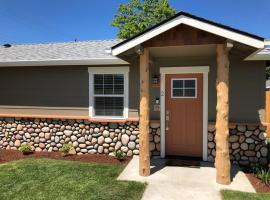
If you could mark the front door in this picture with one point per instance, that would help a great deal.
(184, 114)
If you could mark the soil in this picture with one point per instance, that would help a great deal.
(10, 155)
(258, 185)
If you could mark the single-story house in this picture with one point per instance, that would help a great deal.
(176, 80)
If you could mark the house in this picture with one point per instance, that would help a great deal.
(171, 78)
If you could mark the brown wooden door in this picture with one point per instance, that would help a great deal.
(184, 114)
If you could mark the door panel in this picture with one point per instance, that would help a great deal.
(184, 114)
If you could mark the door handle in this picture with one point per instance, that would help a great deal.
(167, 118)
(167, 115)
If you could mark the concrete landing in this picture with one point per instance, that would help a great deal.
(192, 183)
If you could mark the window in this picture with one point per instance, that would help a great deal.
(184, 88)
(108, 92)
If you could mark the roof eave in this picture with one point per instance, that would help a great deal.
(94, 61)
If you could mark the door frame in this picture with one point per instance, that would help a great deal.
(184, 70)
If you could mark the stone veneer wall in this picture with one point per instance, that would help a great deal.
(247, 144)
(86, 137)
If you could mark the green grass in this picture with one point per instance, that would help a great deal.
(235, 195)
(61, 180)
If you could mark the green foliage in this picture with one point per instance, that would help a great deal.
(25, 148)
(119, 154)
(262, 173)
(236, 195)
(39, 179)
(138, 15)
(66, 148)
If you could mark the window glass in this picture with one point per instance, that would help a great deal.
(109, 95)
(182, 88)
(109, 106)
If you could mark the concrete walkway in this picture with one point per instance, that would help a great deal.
(177, 183)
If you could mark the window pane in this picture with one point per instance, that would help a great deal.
(119, 79)
(118, 89)
(98, 79)
(98, 89)
(109, 106)
(108, 79)
(177, 92)
(108, 89)
(189, 92)
(177, 83)
(189, 83)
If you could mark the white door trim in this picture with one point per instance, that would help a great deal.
(184, 70)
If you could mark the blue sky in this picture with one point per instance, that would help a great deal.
(33, 21)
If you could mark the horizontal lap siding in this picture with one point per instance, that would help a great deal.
(62, 89)
(247, 91)
(246, 87)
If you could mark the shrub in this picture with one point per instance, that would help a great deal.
(25, 148)
(119, 154)
(263, 174)
(66, 148)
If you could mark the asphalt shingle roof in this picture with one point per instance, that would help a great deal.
(57, 51)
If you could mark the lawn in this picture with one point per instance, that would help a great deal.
(57, 179)
(234, 195)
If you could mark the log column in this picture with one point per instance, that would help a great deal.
(222, 161)
(144, 163)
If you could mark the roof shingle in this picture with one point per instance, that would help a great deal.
(57, 51)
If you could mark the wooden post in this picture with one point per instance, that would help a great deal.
(144, 113)
(267, 112)
(222, 161)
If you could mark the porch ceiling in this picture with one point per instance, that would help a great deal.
(181, 51)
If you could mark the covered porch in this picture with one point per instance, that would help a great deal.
(176, 88)
(183, 107)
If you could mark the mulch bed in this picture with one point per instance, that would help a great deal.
(10, 155)
(258, 185)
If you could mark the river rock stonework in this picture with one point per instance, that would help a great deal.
(86, 137)
(247, 144)
(154, 138)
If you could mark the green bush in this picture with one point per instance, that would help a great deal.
(263, 174)
(25, 148)
(66, 148)
(119, 154)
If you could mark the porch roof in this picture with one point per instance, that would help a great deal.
(193, 21)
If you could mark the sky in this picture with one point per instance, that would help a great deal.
(39, 21)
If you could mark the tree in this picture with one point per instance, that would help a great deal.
(138, 15)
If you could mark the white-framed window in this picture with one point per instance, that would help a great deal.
(184, 88)
(108, 92)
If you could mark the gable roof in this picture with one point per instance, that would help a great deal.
(64, 53)
(193, 21)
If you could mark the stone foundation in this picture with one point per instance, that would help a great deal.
(86, 137)
(247, 144)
